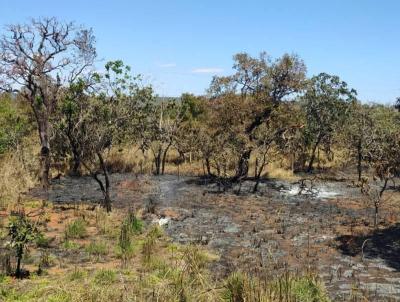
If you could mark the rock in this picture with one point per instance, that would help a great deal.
(231, 229)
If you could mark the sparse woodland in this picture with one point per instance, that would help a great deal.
(62, 116)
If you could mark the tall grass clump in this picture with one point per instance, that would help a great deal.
(75, 229)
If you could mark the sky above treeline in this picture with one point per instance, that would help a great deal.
(179, 45)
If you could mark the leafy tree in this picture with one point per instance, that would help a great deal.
(361, 133)
(326, 105)
(263, 84)
(167, 119)
(21, 231)
(95, 115)
(37, 59)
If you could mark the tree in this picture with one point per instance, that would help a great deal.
(193, 112)
(326, 104)
(94, 115)
(361, 132)
(385, 160)
(277, 137)
(37, 59)
(22, 231)
(264, 84)
(167, 118)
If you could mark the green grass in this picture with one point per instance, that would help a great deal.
(70, 245)
(77, 274)
(135, 224)
(76, 229)
(105, 277)
(97, 248)
(43, 241)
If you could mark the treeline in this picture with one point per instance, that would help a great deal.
(268, 109)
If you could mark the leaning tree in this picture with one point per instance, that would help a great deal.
(264, 84)
(37, 59)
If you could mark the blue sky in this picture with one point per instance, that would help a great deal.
(179, 45)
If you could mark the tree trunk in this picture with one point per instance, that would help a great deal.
(256, 168)
(312, 159)
(104, 187)
(359, 160)
(208, 166)
(44, 153)
(164, 158)
(243, 165)
(376, 216)
(293, 159)
(157, 161)
(75, 165)
(18, 273)
(106, 193)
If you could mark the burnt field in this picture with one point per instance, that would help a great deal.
(324, 227)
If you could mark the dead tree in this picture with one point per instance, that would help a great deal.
(37, 59)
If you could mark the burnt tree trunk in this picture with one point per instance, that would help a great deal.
(312, 158)
(75, 165)
(243, 165)
(359, 160)
(104, 187)
(45, 159)
(157, 161)
(164, 158)
(18, 272)
(208, 166)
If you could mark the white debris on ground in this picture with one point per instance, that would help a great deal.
(162, 221)
(321, 192)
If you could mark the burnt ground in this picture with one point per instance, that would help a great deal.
(268, 232)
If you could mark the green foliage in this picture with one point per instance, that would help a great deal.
(105, 277)
(307, 289)
(235, 288)
(97, 248)
(134, 224)
(70, 245)
(77, 274)
(149, 243)
(13, 124)
(21, 231)
(75, 229)
(43, 241)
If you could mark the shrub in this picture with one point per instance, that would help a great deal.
(77, 275)
(105, 277)
(70, 245)
(21, 231)
(97, 249)
(135, 224)
(308, 289)
(235, 288)
(42, 241)
(75, 229)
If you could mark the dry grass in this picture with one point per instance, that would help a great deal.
(89, 269)
(18, 172)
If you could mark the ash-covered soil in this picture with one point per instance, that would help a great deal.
(321, 227)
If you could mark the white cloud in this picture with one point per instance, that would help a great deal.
(168, 65)
(208, 70)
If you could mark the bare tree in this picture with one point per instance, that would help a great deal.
(37, 59)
